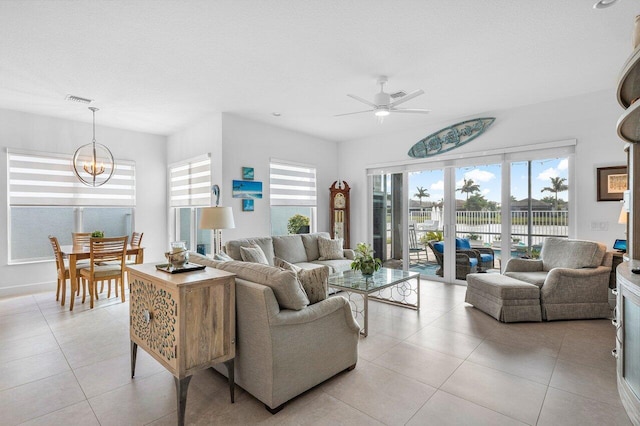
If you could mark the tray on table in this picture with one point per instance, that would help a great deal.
(166, 267)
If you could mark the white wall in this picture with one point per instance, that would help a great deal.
(37, 133)
(251, 144)
(591, 119)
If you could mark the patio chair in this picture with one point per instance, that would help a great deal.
(466, 260)
(487, 255)
(414, 245)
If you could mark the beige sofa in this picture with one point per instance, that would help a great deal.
(572, 277)
(300, 250)
(280, 352)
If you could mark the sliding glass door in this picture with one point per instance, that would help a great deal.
(388, 210)
(434, 216)
(539, 204)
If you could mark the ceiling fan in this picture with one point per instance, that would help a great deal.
(382, 102)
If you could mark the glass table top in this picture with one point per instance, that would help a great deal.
(384, 277)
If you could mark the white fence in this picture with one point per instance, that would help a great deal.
(486, 226)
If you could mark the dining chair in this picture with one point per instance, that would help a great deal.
(80, 238)
(136, 240)
(63, 272)
(107, 262)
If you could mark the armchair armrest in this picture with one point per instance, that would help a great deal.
(349, 254)
(566, 285)
(523, 265)
(314, 312)
(485, 250)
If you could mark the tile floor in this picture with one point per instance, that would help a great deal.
(448, 364)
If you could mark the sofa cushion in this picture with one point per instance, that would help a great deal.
(233, 247)
(573, 254)
(285, 284)
(330, 249)
(253, 254)
(310, 242)
(502, 287)
(201, 259)
(335, 265)
(289, 248)
(314, 281)
(223, 257)
(534, 277)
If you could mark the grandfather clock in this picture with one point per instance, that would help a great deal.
(339, 211)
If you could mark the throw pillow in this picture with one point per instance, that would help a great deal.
(285, 285)
(330, 249)
(200, 259)
(314, 281)
(253, 254)
(223, 257)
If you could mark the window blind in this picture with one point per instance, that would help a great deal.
(292, 184)
(190, 182)
(44, 179)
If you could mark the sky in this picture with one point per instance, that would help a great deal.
(488, 177)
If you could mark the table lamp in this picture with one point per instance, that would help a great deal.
(216, 218)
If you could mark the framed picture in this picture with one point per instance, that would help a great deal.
(247, 189)
(247, 205)
(247, 173)
(612, 182)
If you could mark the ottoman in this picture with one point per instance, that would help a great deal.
(504, 298)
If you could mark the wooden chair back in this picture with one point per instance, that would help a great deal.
(60, 266)
(136, 238)
(111, 249)
(80, 238)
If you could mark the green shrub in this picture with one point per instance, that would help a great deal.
(296, 222)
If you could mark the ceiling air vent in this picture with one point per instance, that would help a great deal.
(398, 94)
(74, 98)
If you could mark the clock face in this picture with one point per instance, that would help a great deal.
(339, 202)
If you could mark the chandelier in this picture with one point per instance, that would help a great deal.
(93, 163)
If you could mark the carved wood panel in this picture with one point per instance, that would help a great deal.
(154, 318)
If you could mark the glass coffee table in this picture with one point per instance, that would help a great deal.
(393, 286)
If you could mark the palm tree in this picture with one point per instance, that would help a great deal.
(468, 187)
(422, 193)
(557, 185)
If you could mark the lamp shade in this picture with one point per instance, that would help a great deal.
(622, 219)
(216, 218)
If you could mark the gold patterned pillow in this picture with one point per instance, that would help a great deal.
(253, 254)
(314, 281)
(330, 249)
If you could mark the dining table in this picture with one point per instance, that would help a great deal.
(79, 252)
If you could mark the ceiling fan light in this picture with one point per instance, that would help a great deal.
(382, 112)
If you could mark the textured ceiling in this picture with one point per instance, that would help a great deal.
(158, 66)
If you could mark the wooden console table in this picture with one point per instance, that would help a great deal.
(185, 321)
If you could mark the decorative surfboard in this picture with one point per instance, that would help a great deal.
(450, 137)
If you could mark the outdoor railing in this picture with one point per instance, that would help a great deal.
(486, 226)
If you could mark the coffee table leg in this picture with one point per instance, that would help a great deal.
(366, 314)
(418, 305)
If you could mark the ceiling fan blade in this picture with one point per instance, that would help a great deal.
(419, 111)
(407, 98)
(351, 113)
(364, 101)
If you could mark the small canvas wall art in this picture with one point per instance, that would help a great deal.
(247, 189)
(247, 205)
(247, 173)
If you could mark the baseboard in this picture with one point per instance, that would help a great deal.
(25, 289)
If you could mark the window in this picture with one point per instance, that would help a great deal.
(189, 191)
(292, 191)
(45, 198)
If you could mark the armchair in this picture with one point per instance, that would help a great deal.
(466, 260)
(573, 276)
(486, 253)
